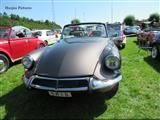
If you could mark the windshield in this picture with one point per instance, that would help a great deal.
(152, 29)
(114, 29)
(84, 30)
(4, 33)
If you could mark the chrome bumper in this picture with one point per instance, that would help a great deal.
(93, 84)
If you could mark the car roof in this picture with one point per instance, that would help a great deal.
(41, 30)
(84, 23)
(17, 28)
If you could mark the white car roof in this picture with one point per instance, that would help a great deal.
(17, 28)
(41, 30)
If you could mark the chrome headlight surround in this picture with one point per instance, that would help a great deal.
(27, 62)
(112, 62)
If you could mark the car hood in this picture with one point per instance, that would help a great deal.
(72, 57)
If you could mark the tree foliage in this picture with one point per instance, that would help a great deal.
(129, 20)
(154, 17)
(13, 20)
(75, 21)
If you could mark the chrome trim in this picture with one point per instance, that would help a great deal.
(59, 89)
(2, 65)
(17, 59)
(28, 83)
(49, 78)
(106, 83)
(94, 84)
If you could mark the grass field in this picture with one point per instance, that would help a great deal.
(138, 95)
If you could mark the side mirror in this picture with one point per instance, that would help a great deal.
(114, 35)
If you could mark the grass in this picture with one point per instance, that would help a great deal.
(137, 98)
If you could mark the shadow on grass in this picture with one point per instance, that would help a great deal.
(136, 42)
(23, 104)
(15, 63)
(131, 35)
(154, 63)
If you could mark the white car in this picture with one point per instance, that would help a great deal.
(47, 36)
(115, 31)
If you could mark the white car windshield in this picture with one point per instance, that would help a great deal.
(84, 30)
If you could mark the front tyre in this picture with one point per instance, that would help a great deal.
(46, 42)
(111, 93)
(155, 52)
(41, 46)
(4, 63)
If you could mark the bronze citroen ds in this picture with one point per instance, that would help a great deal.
(83, 60)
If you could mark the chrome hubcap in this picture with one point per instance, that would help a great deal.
(2, 64)
(154, 52)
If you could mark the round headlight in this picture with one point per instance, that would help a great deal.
(112, 62)
(27, 62)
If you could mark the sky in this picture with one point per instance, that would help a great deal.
(63, 11)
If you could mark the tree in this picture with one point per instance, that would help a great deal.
(5, 15)
(129, 20)
(75, 21)
(47, 22)
(155, 17)
(14, 17)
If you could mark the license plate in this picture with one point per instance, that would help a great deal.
(60, 94)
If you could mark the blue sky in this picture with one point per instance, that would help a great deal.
(63, 11)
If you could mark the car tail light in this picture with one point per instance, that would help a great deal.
(123, 37)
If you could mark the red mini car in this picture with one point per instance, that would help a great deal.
(16, 42)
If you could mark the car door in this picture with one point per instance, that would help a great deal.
(31, 41)
(18, 45)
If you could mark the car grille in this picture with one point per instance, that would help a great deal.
(61, 83)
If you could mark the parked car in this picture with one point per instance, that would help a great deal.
(148, 35)
(132, 30)
(58, 33)
(79, 62)
(156, 46)
(115, 31)
(16, 42)
(48, 36)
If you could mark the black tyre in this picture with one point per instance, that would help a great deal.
(109, 94)
(41, 46)
(46, 42)
(155, 52)
(4, 63)
(122, 46)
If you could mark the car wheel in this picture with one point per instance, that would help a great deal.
(4, 63)
(46, 42)
(155, 52)
(122, 46)
(41, 46)
(111, 93)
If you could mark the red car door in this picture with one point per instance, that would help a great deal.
(18, 46)
(32, 44)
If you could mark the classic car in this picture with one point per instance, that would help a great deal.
(48, 36)
(147, 36)
(16, 42)
(79, 62)
(132, 30)
(156, 46)
(115, 31)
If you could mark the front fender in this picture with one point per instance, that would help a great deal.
(7, 53)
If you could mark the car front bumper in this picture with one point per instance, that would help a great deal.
(93, 84)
